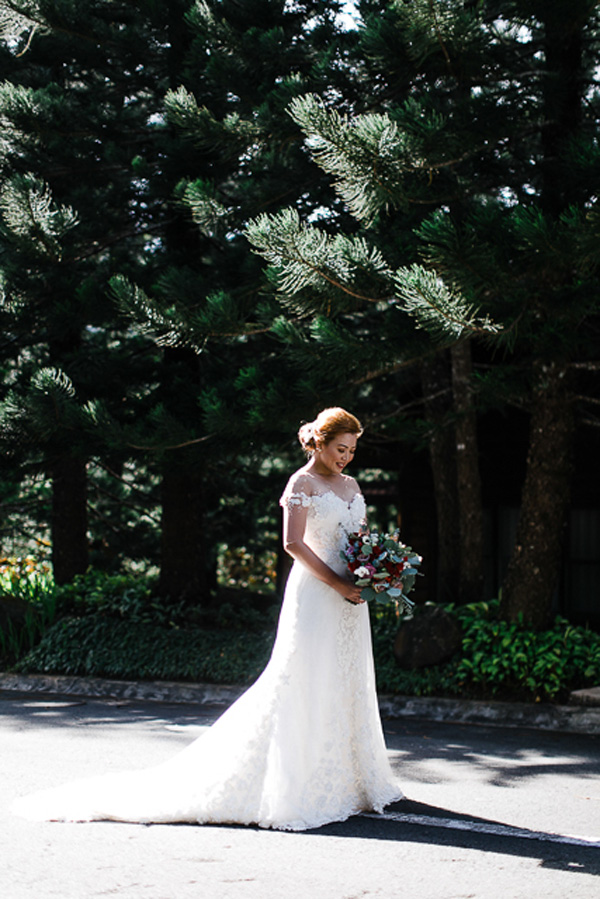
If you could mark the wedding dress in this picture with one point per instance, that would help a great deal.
(302, 747)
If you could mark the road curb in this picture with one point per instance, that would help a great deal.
(582, 719)
(100, 688)
(565, 718)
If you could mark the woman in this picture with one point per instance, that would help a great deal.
(304, 745)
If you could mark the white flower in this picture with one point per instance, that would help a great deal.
(362, 571)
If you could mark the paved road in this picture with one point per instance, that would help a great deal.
(491, 812)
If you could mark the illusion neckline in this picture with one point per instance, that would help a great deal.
(320, 479)
(348, 503)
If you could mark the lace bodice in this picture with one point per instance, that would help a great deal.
(330, 519)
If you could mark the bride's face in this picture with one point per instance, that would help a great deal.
(332, 457)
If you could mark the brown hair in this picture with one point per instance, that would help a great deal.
(326, 425)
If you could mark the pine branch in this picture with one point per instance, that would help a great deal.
(173, 323)
(228, 137)
(368, 155)
(438, 33)
(30, 215)
(308, 262)
(19, 17)
(211, 216)
(46, 410)
(129, 485)
(442, 312)
(162, 448)
(407, 407)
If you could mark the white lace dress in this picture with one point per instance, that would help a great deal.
(302, 747)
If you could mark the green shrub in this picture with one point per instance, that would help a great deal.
(116, 625)
(121, 596)
(135, 599)
(497, 659)
(510, 657)
(96, 646)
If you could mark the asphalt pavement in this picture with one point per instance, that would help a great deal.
(491, 811)
(580, 715)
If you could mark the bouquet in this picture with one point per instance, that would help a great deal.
(385, 568)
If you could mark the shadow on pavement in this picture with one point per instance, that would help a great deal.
(508, 756)
(477, 834)
(36, 710)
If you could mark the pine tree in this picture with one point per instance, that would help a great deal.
(162, 189)
(485, 120)
(80, 106)
(244, 64)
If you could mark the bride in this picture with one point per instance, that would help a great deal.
(303, 746)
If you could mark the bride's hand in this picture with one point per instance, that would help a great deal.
(352, 594)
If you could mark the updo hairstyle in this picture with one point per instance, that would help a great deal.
(324, 428)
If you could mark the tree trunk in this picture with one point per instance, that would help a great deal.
(467, 477)
(437, 394)
(69, 518)
(534, 568)
(183, 569)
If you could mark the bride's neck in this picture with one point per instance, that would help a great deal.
(313, 467)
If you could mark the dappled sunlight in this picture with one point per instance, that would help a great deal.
(452, 758)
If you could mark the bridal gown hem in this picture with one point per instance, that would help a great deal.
(302, 747)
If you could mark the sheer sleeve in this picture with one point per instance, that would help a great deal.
(294, 519)
(290, 500)
(295, 501)
(298, 491)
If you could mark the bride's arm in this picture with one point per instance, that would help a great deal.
(294, 526)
